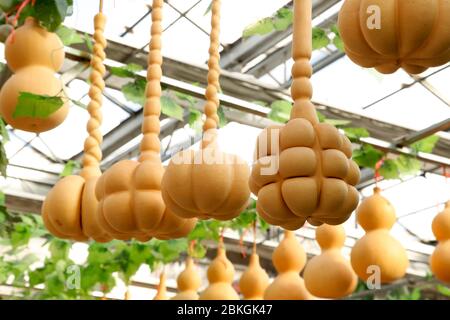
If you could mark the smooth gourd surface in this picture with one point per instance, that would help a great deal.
(440, 259)
(188, 282)
(254, 281)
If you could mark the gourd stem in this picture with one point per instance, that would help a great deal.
(92, 151)
(100, 9)
(213, 87)
(150, 144)
(301, 89)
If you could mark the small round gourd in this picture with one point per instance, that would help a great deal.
(303, 171)
(289, 258)
(330, 275)
(161, 293)
(255, 280)
(440, 259)
(220, 276)
(35, 55)
(377, 248)
(388, 35)
(218, 182)
(188, 282)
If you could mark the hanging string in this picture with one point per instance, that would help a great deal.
(241, 244)
(191, 248)
(101, 6)
(254, 236)
(377, 171)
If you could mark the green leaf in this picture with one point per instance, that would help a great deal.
(69, 168)
(88, 42)
(170, 108)
(319, 38)
(59, 249)
(354, 134)
(3, 131)
(199, 251)
(69, 36)
(337, 40)
(389, 170)
(321, 117)
(262, 27)
(443, 290)
(21, 235)
(7, 5)
(408, 166)
(263, 225)
(51, 13)
(222, 118)
(36, 106)
(127, 71)
(135, 91)
(280, 111)
(208, 9)
(195, 120)
(283, 19)
(185, 97)
(367, 156)
(426, 145)
(2, 217)
(337, 122)
(3, 159)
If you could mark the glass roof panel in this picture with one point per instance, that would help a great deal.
(440, 81)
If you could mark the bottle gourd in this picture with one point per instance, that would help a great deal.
(208, 183)
(440, 259)
(255, 280)
(330, 275)
(188, 282)
(377, 250)
(161, 292)
(303, 171)
(289, 258)
(34, 55)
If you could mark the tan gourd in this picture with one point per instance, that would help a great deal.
(303, 170)
(161, 293)
(377, 248)
(35, 55)
(220, 277)
(330, 275)
(207, 183)
(440, 259)
(289, 258)
(388, 35)
(188, 282)
(255, 280)
(129, 193)
(69, 210)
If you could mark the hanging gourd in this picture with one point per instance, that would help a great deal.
(377, 251)
(207, 183)
(440, 259)
(303, 170)
(388, 35)
(255, 280)
(188, 282)
(289, 258)
(330, 275)
(129, 193)
(34, 55)
(69, 210)
(161, 292)
(220, 276)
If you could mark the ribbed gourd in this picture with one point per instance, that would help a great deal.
(330, 275)
(129, 192)
(303, 171)
(220, 277)
(161, 293)
(377, 249)
(255, 280)
(440, 259)
(69, 210)
(188, 282)
(289, 258)
(388, 35)
(34, 55)
(208, 183)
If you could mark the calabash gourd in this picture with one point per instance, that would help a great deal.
(220, 276)
(388, 35)
(129, 193)
(69, 210)
(34, 55)
(289, 258)
(330, 275)
(303, 171)
(440, 259)
(255, 280)
(377, 248)
(161, 293)
(207, 183)
(188, 282)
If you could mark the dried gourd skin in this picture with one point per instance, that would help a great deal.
(188, 282)
(440, 259)
(254, 281)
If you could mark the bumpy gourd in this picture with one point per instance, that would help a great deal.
(207, 183)
(377, 248)
(255, 280)
(440, 259)
(69, 210)
(388, 35)
(188, 282)
(35, 55)
(303, 170)
(129, 193)
(289, 258)
(220, 276)
(161, 293)
(330, 275)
